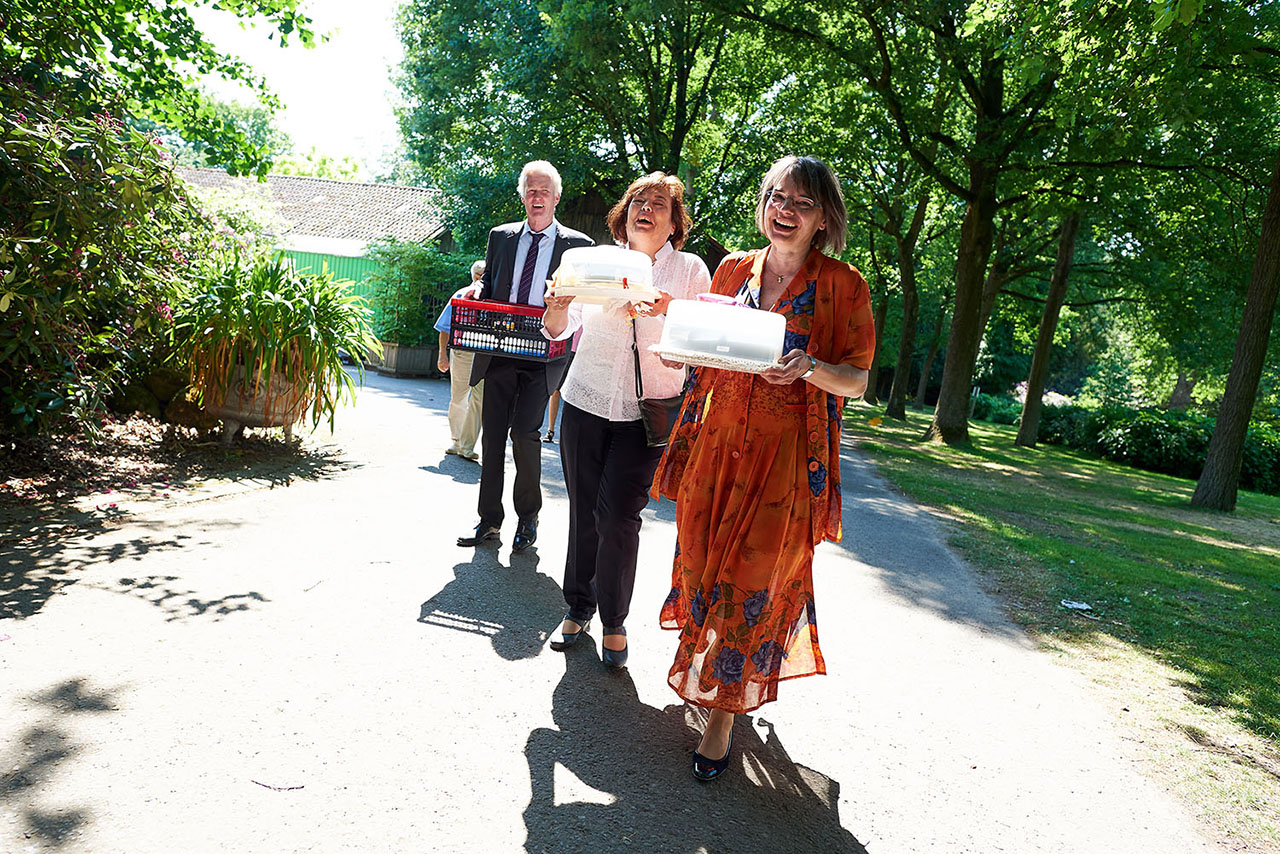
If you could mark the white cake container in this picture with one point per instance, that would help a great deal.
(718, 335)
(600, 274)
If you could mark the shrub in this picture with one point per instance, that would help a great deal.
(95, 238)
(257, 317)
(1155, 440)
(998, 409)
(410, 289)
(1169, 441)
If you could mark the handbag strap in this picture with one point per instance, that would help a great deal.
(635, 354)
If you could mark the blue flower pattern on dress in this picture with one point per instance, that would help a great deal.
(753, 607)
(715, 596)
(698, 611)
(803, 302)
(794, 341)
(728, 665)
(817, 477)
(768, 659)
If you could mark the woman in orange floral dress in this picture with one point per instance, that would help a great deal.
(754, 463)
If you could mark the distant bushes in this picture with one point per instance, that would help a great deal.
(1168, 441)
(996, 408)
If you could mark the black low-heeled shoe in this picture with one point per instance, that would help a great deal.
(706, 769)
(568, 639)
(614, 659)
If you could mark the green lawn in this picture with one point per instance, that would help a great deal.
(1197, 590)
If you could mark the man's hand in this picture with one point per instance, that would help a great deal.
(442, 363)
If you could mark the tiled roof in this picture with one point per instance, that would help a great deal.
(340, 210)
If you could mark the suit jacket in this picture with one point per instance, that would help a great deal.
(499, 268)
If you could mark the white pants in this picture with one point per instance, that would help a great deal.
(464, 402)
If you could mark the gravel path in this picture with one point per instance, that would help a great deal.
(318, 668)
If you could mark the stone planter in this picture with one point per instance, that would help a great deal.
(401, 361)
(279, 404)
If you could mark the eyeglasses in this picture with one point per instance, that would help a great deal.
(654, 202)
(799, 204)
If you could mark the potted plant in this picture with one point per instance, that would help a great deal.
(409, 291)
(264, 343)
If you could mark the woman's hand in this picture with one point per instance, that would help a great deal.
(656, 308)
(667, 363)
(790, 368)
(556, 318)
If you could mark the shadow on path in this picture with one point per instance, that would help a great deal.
(615, 772)
(508, 604)
(52, 555)
(890, 533)
(35, 755)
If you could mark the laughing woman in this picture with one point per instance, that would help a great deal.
(608, 466)
(754, 463)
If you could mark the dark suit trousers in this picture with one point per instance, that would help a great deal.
(607, 470)
(515, 402)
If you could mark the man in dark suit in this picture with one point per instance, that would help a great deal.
(520, 257)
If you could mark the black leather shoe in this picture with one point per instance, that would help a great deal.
(706, 769)
(568, 639)
(483, 532)
(614, 659)
(526, 534)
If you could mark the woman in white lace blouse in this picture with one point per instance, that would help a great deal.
(607, 464)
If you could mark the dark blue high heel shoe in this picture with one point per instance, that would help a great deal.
(706, 769)
(568, 639)
(614, 659)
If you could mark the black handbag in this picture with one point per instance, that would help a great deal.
(657, 414)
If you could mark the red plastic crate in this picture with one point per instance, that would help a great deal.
(510, 330)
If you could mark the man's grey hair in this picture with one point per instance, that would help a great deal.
(539, 167)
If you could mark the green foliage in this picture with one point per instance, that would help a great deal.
(95, 241)
(257, 315)
(149, 55)
(254, 121)
(1162, 440)
(411, 287)
(317, 165)
(1158, 440)
(998, 409)
(605, 89)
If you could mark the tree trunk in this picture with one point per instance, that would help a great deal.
(1180, 397)
(897, 406)
(926, 370)
(1216, 489)
(882, 310)
(951, 417)
(1030, 423)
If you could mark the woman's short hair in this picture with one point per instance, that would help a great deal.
(539, 167)
(680, 221)
(477, 269)
(815, 179)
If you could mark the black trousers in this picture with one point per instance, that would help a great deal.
(607, 470)
(515, 402)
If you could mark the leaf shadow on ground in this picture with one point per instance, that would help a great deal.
(614, 772)
(514, 605)
(36, 754)
(49, 557)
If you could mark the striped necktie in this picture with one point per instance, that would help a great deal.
(526, 275)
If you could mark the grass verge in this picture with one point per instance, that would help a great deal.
(1183, 632)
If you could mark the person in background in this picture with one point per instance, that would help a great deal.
(518, 261)
(465, 400)
(608, 465)
(754, 463)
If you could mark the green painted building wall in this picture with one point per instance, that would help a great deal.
(357, 270)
